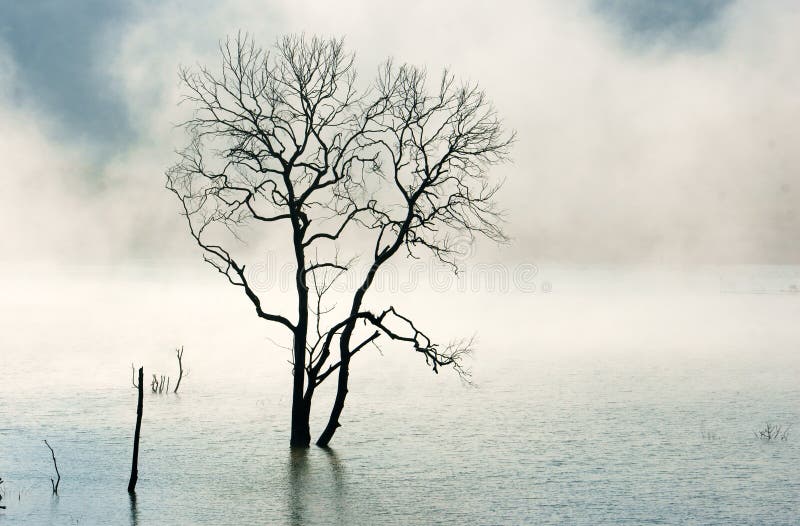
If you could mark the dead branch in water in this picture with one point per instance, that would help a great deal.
(179, 353)
(159, 385)
(139, 407)
(53, 483)
(773, 432)
(133, 377)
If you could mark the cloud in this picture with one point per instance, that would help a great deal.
(61, 203)
(678, 23)
(629, 149)
(670, 154)
(56, 44)
(42, 208)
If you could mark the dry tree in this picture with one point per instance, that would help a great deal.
(285, 142)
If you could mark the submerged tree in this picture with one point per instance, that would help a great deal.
(285, 140)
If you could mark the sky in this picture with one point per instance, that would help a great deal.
(648, 131)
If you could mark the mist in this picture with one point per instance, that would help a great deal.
(669, 145)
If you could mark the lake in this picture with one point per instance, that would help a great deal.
(610, 396)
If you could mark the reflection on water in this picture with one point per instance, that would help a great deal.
(298, 481)
(339, 480)
(134, 516)
(305, 481)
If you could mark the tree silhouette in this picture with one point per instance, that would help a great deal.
(286, 140)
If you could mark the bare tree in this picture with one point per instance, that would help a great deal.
(286, 141)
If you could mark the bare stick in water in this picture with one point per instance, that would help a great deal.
(135, 464)
(56, 482)
(179, 352)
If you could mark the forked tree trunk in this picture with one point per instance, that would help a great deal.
(139, 407)
(341, 390)
(344, 355)
(344, 351)
(336, 412)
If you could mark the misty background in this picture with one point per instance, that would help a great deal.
(649, 132)
(653, 137)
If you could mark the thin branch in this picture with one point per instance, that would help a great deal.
(179, 354)
(53, 483)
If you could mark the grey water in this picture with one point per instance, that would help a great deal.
(614, 398)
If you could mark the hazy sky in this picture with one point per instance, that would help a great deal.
(649, 131)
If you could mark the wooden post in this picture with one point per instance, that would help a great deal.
(135, 465)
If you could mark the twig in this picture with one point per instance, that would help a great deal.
(55, 483)
(179, 353)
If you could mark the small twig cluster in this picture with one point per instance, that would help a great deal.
(160, 384)
(706, 434)
(773, 432)
(709, 435)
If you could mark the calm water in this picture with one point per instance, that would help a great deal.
(594, 405)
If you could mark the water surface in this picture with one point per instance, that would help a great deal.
(595, 404)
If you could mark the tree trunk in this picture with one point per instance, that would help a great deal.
(341, 389)
(301, 433)
(135, 464)
(336, 411)
(344, 359)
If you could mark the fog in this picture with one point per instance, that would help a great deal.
(660, 142)
(668, 139)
